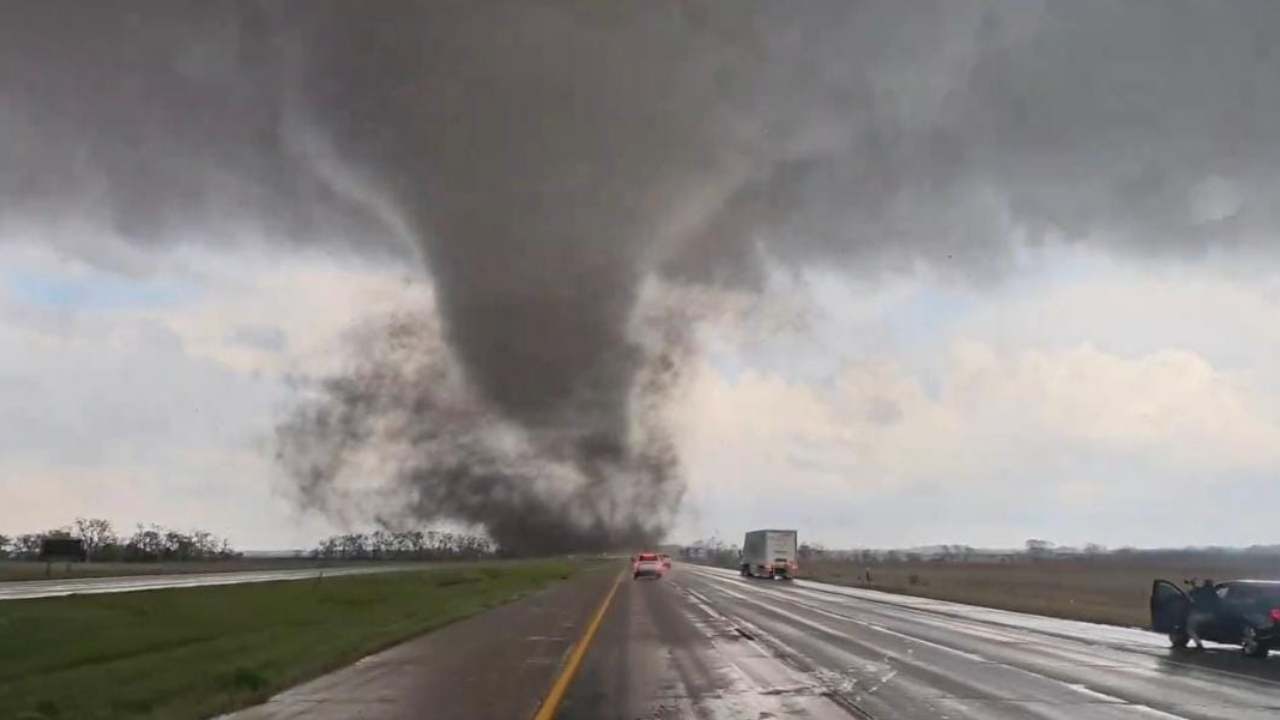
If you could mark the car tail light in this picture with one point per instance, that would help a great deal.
(1275, 615)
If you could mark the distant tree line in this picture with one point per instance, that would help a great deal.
(716, 552)
(150, 543)
(712, 551)
(406, 545)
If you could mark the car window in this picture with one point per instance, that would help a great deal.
(1269, 594)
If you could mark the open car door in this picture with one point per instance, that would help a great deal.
(1169, 607)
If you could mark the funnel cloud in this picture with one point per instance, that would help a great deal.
(570, 174)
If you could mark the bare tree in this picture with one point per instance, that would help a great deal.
(1037, 549)
(384, 544)
(96, 534)
(27, 546)
(205, 544)
(145, 545)
(417, 542)
(811, 551)
(177, 546)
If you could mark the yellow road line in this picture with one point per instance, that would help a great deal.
(551, 703)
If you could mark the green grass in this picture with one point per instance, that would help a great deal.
(194, 653)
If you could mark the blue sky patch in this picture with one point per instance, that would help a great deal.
(93, 290)
(925, 315)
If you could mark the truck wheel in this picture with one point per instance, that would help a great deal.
(1251, 645)
(746, 571)
(1178, 638)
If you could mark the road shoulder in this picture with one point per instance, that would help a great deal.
(498, 664)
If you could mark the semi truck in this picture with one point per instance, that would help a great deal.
(770, 553)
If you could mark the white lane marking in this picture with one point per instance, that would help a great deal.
(1105, 698)
(976, 632)
(973, 619)
(702, 602)
(1077, 629)
(840, 690)
(791, 694)
(845, 618)
(1077, 687)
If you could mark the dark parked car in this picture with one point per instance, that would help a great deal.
(1247, 614)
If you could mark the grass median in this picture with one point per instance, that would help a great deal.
(194, 653)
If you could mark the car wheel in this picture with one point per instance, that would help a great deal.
(1251, 645)
(1178, 638)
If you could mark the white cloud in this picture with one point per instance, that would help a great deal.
(153, 412)
(1225, 310)
(1090, 444)
(1171, 404)
(310, 300)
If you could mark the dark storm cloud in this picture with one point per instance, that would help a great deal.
(157, 120)
(547, 160)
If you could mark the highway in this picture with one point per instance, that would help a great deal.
(705, 643)
(32, 589)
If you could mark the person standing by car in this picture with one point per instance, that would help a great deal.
(1204, 608)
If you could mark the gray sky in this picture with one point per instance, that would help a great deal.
(891, 273)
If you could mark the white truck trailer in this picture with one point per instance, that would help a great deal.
(770, 553)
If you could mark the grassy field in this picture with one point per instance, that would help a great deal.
(193, 653)
(1108, 590)
(20, 570)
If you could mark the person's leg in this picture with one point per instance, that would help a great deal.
(1194, 622)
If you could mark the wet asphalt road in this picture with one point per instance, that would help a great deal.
(705, 643)
(32, 589)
